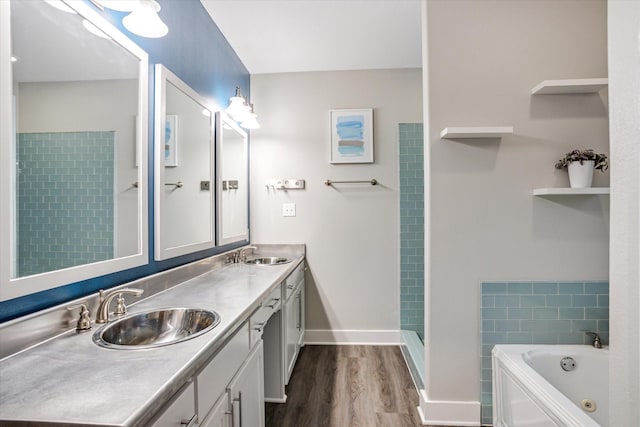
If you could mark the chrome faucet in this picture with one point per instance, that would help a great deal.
(243, 253)
(102, 315)
(597, 342)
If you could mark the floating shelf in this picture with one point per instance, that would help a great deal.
(476, 132)
(570, 191)
(572, 86)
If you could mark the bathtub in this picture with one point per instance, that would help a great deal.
(531, 388)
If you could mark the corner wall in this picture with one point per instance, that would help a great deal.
(351, 231)
(484, 57)
(624, 74)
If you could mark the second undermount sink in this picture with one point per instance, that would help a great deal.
(272, 260)
(156, 328)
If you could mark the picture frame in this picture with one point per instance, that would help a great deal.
(351, 136)
(171, 141)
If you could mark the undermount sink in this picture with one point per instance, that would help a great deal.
(156, 328)
(272, 260)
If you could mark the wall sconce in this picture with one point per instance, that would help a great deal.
(241, 111)
(143, 19)
(251, 120)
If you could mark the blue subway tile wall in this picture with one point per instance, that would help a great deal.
(538, 313)
(65, 202)
(411, 165)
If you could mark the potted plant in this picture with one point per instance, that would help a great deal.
(581, 164)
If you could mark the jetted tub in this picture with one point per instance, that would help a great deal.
(550, 385)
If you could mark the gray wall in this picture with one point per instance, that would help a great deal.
(351, 231)
(484, 57)
(624, 74)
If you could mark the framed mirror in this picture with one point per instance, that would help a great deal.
(73, 131)
(184, 168)
(233, 181)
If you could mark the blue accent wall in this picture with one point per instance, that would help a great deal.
(197, 52)
(538, 313)
(411, 165)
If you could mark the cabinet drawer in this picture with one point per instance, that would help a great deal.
(182, 409)
(270, 305)
(213, 379)
(292, 281)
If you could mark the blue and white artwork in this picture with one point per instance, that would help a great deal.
(351, 136)
(171, 140)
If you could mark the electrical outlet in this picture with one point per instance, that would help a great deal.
(288, 209)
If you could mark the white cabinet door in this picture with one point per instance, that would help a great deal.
(294, 328)
(181, 411)
(246, 391)
(220, 416)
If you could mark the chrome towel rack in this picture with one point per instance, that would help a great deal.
(371, 181)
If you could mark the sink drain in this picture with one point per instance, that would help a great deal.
(588, 405)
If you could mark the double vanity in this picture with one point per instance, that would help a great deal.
(218, 378)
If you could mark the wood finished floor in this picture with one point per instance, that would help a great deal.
(348, 386)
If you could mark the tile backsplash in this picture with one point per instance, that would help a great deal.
(538, 313)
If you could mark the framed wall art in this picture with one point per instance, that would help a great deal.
(351, 136)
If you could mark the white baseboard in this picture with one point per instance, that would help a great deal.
(351, 336)
(448, 413)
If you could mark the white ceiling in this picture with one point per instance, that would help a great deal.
(277, 36)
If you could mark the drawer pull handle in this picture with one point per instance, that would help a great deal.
(275, 302)
(259, 326)
(289, 286)
(190, 423)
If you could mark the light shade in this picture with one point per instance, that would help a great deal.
(238, 108)
(251, 120)
(144, 20)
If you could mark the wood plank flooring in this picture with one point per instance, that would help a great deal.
(348, 386)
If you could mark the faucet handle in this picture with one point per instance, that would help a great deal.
(121, 308)
(84, 321)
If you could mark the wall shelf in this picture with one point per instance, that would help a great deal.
(571, 86)
(476, 132)
(571, 191)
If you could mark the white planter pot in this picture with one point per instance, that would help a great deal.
(581, 175)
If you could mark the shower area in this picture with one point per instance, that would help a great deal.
(411, 167)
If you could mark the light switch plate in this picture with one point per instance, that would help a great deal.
(288, 209)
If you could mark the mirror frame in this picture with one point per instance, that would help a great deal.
(162, 76)
(223, 118)
(16, 287)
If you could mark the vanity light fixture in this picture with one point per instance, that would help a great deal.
(238, 108)
(144, 20)
(251, 120)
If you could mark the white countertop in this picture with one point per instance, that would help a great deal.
(71, 380)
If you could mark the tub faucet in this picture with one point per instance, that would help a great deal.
(597, 342)
(102, 315)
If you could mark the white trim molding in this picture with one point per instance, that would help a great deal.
(352, 337)
(448, 413)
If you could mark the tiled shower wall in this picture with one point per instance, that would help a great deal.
(539, 313)
(411, 143)
(65, 203)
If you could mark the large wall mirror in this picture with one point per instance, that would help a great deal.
(233, 182)
(73, 129)
(184, 168)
